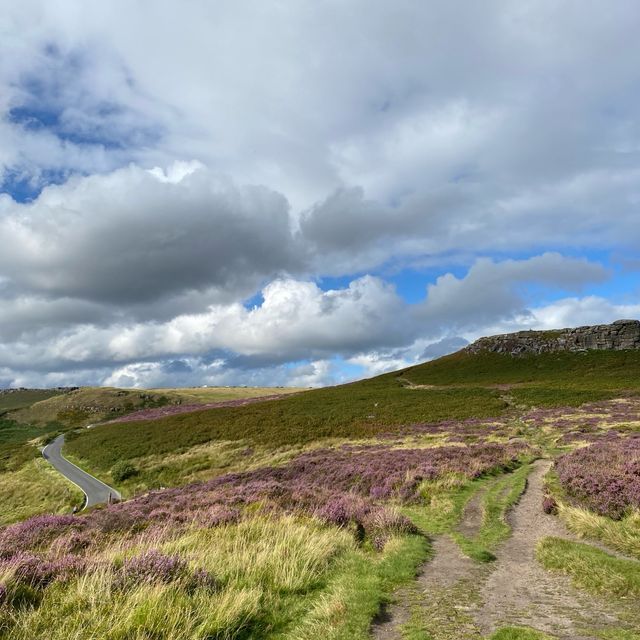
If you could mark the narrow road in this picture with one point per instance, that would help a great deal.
(96, 492)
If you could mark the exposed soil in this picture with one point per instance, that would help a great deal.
(521, 592)
(472, 515)
(457, 598)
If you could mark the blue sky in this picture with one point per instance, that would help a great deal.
(305, 193)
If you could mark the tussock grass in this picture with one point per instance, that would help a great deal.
(623, 535)
(288, 578)
(266, 569)
(590, 568)
(362, 583)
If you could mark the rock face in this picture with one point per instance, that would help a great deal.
(622, 334)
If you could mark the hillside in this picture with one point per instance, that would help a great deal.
(464, 385)
(310, 515)
(31, 417)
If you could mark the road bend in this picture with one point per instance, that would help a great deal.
(95, 491)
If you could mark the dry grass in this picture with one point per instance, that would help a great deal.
(623, 535)
(288, 578)
(203, 395)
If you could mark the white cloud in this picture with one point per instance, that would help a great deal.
(356, 136)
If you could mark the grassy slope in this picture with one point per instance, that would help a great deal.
(24, 398)
(358, 410)
(203, 395)
(466, 388)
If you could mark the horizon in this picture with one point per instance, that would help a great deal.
(305, 195)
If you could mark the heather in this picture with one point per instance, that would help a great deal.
(357, 411)
(236, 554)
(171, 410)
(604, 477)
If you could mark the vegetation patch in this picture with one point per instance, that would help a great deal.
(519, 633)
(590, 568)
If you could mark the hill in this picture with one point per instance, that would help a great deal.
(310, 515)
(31, 417)
(470, 384)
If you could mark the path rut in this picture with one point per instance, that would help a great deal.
(457, 598)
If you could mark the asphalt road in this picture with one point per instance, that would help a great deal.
(96, 492)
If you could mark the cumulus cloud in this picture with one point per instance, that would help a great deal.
(134, 236)
(483, 143)
(367, 323)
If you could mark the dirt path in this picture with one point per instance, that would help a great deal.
(456, 598)
(520, 592)
(439, 596)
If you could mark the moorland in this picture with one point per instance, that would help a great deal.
(480, 495)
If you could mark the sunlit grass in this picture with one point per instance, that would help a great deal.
(590, 568)
(35, 488)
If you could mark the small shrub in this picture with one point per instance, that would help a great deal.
(122, 471)
(549, 505)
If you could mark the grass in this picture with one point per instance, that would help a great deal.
(284, 578)
(203, 395)
(518, 633)
(446, 498)
(499, 497)
(377, 406)
(590, 568)
(599, 370)
(88, 405)
(622, 535)
(18, 399)
(360, 410)
(354, 597)
(35, 488)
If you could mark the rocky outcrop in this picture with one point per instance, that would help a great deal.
(622, 334)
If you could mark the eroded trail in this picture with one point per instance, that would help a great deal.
(457, 598)
(520, 592)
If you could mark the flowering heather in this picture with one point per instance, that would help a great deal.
(604, 476)
(337, 485)
(151, 566)
(175, 409)
(549, 505)
(38, 572)
(35, 532)
(591, 422)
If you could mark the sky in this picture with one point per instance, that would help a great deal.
(304, 192)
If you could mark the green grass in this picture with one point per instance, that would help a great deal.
(500, 496)
(622, 535)
(89, 405)
(380, 405)
(359, 410)
(518, 633)
(345, 610)
(202, 395)
(590, 568)
(24, 398)
(282, 578)
(619, 634)
(599, 370)
(35, 488)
